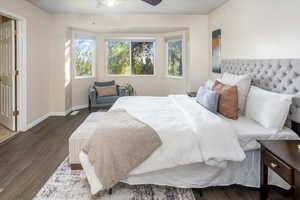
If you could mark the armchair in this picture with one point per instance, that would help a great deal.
(103, 101)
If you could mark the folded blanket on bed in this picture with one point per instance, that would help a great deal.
(119, 144)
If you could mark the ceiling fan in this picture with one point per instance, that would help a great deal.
(112, 3)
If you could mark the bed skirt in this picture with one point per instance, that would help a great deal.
(198, 175)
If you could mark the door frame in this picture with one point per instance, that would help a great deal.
(21, 65)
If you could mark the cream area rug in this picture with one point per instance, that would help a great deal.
(67, 184)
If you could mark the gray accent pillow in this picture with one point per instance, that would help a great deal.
(208, 99)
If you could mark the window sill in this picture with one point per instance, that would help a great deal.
(84, 77)
(129, 76)
(175, 77)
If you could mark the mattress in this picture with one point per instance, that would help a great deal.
(248, 132)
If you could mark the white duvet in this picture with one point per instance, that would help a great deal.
(189, 133)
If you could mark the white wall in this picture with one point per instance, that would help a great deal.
(257, 29)
(198, 55)
(38, 61)
(250, 29)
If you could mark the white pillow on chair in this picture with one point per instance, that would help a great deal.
(268, 108)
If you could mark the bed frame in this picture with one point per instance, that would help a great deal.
(276, 75)
(296, 128)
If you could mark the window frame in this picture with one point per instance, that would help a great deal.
(94, 54)
(130, 56)
(167, 59)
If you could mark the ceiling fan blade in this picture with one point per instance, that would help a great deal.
(153, 2)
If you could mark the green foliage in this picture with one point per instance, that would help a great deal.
(83, 57)
(119, 54)
(175, 58)
(118, 57)
(129, 90)
(142, 58)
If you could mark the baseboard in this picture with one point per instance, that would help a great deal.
(37, 121)
(68, 111)
(57, 114)
(79, 107)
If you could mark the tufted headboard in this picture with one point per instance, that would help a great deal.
(277, 75)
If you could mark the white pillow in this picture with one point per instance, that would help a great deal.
(243, 83)
(210, 84)
(268, 108)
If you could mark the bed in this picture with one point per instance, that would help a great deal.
(197, 174)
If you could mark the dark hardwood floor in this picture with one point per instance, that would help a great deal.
(28, 160)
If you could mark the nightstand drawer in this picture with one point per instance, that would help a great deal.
(278, 166)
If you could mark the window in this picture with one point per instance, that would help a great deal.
(84, 57)
(142, 58)
(175, 57)
(118, 57)
(126, 57)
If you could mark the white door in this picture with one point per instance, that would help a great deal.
(7, 74)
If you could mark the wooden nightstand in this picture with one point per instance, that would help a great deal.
(283, 157)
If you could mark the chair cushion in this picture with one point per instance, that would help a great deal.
(106, 90)
(102, 84)
(106, 100)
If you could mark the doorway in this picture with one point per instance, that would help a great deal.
(8, 78)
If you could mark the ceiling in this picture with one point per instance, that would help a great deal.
(129, 6)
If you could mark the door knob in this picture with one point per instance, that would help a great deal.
(273, 165)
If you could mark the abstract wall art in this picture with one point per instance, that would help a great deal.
(216, 51)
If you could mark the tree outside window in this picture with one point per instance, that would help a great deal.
(142, 58)
(84, 58)
(118, 57)
(130, 57)
(175, 56)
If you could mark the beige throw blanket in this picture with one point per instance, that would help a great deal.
(119, 144)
